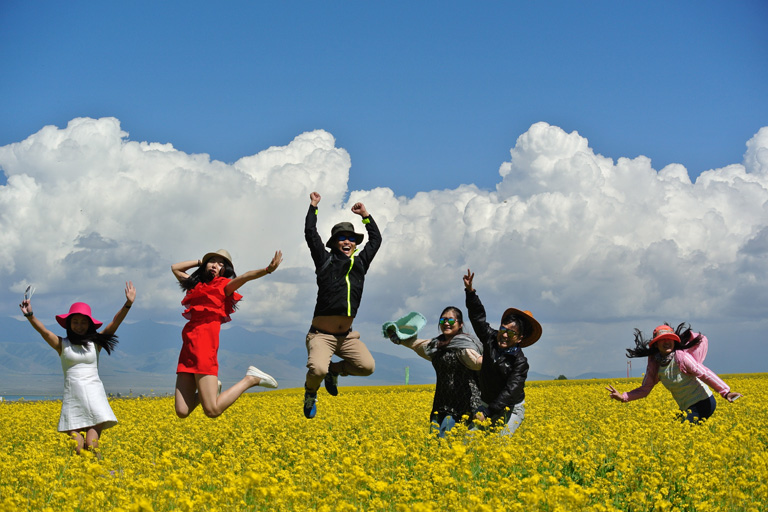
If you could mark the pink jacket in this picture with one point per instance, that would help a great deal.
(689, 362)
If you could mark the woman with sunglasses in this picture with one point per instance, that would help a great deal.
(675, 358)
(504, 367)
(455, 356)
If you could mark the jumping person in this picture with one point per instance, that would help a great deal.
(340, 277)
(84, 406)
(210, 300)
(504, 366)
(675, 358)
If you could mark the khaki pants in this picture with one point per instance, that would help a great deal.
(356, 359)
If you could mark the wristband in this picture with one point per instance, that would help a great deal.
(29, 314)
(367, 220)
(127, 306)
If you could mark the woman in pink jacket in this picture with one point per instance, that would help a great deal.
(675, 358)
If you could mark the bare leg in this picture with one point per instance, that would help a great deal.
(186, 398)
(78, 437)
(213, 405)
(92, 437)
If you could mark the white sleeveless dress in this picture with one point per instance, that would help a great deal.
(85, 401)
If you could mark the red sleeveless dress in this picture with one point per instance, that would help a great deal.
(207, 308)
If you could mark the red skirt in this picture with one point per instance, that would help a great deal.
(199, 353)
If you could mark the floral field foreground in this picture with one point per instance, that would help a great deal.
(369, 449)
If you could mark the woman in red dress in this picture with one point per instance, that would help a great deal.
(211, 297)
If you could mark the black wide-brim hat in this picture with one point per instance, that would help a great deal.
(344, 227)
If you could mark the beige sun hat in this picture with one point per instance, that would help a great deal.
(221, 252)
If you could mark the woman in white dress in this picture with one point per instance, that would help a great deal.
(84, 407)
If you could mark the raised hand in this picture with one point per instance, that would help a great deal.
(468, 281)
(26, 307)
(314, 198)
(359, 209)
(278, 258)
(130, 292)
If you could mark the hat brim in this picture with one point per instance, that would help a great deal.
(358, 239)
(210, 255)
(666, 336)
(533, 326)
(62, 319)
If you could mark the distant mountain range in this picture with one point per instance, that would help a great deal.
(145, 360)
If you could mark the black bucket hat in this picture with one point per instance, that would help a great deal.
(344, 227)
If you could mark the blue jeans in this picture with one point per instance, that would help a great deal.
(701, 410)
(441, 423)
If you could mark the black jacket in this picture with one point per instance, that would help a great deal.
(502, 375)
(339, 278)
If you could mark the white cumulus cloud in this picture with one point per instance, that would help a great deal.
(594, 247)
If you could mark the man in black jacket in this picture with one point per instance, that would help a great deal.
(340, 278)
(504, 368)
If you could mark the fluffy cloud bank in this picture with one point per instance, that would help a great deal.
(593, 247)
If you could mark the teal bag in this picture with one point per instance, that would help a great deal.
(405, 327)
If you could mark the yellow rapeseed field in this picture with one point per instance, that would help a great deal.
(370, 449)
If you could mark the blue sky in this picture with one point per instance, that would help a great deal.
(602, 164)
(423, 95)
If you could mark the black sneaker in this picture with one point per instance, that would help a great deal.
(332, 383)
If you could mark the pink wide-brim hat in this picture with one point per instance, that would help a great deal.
(78, 308)
(664, 332)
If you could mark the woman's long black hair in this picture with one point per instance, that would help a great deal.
(687, 340)
(201, 276)
(106, 341)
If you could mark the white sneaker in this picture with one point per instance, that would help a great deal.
(267, 380)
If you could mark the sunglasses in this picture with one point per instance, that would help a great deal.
(450, 321)
(342, 238)
(509, 332)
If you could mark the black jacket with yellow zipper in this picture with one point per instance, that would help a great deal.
(340, 278)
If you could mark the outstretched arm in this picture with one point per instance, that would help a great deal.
(476, 311)
(180, 269)
(130, 296)
(690, 366)
(649, 381)
(417, 345)
(49, 337)
(240, 280)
